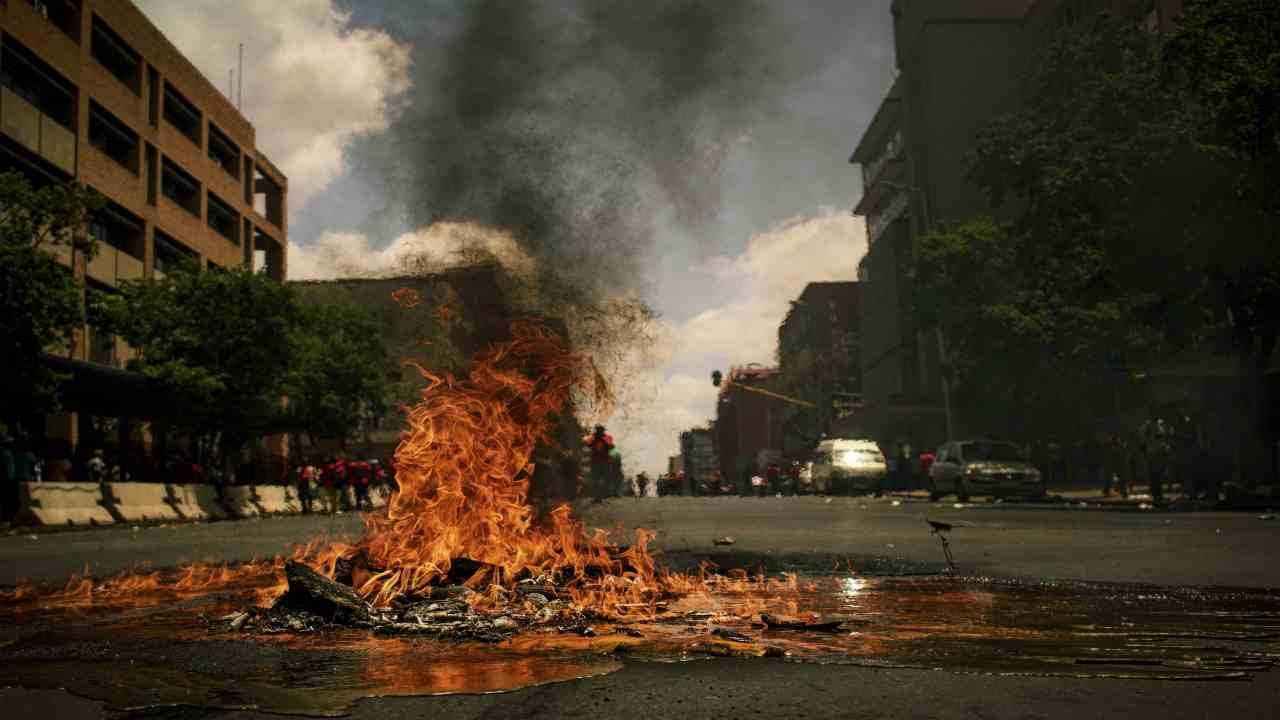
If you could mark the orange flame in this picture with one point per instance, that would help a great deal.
(463, 467)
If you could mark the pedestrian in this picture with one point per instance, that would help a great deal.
(600, 445)
(332, 487)
(773, 474)
(358, 476)
(927, 460)
(97, 468)
(301, 476)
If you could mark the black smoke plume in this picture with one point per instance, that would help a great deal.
(580, 127)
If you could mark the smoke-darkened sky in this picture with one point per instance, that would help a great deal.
(692, 151)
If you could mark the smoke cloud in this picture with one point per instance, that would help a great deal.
(580, 128)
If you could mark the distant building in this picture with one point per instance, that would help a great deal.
(675, 464)
(959, 63)
(819, 352)
(91, 91)
(749, 424)
(698, 453)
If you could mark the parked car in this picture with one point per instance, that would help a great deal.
(845, 466)
(983, 467)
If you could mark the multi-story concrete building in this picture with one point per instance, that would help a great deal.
(959, 64)
(818, 349)
(92, 92)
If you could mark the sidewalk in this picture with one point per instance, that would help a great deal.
(1266, 499)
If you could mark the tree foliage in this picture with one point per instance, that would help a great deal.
(339, 374)
(1140, 170)
(218, 342)
(41, 305)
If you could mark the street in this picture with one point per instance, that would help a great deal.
(809, 535)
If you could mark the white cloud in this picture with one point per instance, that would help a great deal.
(312, 82)
(351, 254)
(761, 282)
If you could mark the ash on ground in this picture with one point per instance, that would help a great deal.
(315, 602)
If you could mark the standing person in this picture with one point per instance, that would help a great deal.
(773, 474)
(303, 478)
(758, 484)
(1109, 465)
(600, 444)
(358, 476)
(329, 477)
(1158, 457)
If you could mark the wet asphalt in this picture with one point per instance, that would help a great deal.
(872, 536)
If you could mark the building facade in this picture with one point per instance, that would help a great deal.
(698, 458)
(819, 345)
(749, 425)
(92, 92)
(959, 66)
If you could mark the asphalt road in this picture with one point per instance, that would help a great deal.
(872, 535)
(808, 533)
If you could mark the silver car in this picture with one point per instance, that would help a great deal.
(983, 467)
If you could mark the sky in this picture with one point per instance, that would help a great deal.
(692, 154)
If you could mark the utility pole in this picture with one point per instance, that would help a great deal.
(240, 81)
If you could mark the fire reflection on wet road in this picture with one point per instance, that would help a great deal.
(174, 653)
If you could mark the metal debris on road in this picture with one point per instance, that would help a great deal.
(724, 541)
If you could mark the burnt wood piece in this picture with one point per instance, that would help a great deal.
(462, 569)
(314, 593)
(774, 622)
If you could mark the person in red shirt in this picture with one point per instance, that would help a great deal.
(773, 474)
(600, 444)
(926, 462)
(358, 474)
(793, 474)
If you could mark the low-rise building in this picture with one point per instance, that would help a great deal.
(92, 92)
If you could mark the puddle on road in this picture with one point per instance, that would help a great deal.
(166, 655)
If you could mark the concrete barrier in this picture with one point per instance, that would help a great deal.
(197, 502)
(238, 500)
(277, 500)
(137, 502)
(62, 503)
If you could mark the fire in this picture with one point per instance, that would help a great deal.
(463, 466)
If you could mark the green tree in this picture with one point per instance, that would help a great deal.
(339, 375)
(1226, 58)
(1142, 171)
(218, 342)
(41, 305)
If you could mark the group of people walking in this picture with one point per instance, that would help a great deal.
(339, 483)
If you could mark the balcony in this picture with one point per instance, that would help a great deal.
(112, 265)
(39, 133)
(881, 219)
(891, 152)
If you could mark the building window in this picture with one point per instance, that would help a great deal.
(178, 185)
(268, 198)
(182, 114)
(171, 255)
(119, 228)
(113, 138)
(63, 14)
(114, 54)
(224, 152)
(31, 79)
(223, 219)
(153, 177)
(153, 97)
